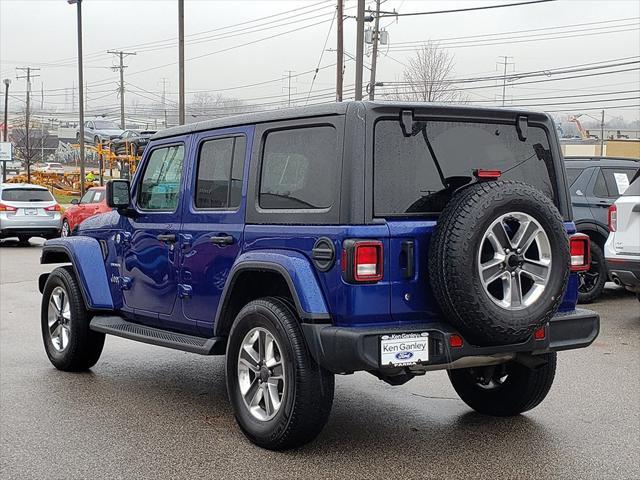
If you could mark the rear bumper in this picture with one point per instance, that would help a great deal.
(625, 272)
(346, 350)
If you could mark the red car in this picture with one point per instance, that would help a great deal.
(92, 203)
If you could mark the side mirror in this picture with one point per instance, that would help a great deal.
(75, 201)
(118, 194)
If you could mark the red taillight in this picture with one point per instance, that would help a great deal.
(7, 208)
(362, 261)
(455, 341)
(53, 208)
(487, 174)
(580, 248)
(539, 334)
(613, 218)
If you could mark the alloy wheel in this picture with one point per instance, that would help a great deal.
(59, 319)
(261, 374)
(514, 261)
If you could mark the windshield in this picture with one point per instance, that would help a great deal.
(26, 195)
(106, 125)
(419, 173)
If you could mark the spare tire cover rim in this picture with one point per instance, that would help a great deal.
(514, 260)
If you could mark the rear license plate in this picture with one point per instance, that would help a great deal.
(30, 211)
(404, 349)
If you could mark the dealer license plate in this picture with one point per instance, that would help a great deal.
(30, 211)
(404, 349)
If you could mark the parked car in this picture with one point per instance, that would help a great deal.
(28, 211)
(92, 203)
(131, 141)
(99, 131)
(392, 238)
(622, 249)
(594, 184)
(14, 166)
(51, 167)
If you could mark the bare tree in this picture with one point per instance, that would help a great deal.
(29, 149)
(428, 77)
(205, 105)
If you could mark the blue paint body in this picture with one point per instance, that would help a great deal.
(145, 279)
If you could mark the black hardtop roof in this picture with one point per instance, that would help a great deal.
(340, 108)
(584, 162)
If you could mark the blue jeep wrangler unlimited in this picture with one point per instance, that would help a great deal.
(386, 237)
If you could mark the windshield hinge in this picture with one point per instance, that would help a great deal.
(522, 126)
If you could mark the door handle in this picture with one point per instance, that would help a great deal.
(222, 240)
(167, 237)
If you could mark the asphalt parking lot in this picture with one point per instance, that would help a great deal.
(149, 412)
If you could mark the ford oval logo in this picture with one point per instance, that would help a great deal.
(404, 355)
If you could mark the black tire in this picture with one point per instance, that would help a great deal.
(308, 389)
(84, 346)
(523, 389)
(24, 240)
(455, 252)
(65, 231)
(592, 281)
(96, 141)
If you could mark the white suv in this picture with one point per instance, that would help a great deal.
(622, 249)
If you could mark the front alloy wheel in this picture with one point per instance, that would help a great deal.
(65, 231)
(59, 319)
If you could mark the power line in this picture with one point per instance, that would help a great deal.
(326, 40)
(459, 10)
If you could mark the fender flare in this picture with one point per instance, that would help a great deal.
(297, 272)
(592, 225)
(86, 258)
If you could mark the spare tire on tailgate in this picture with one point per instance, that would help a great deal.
(499, 261)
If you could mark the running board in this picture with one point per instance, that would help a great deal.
(114, 325)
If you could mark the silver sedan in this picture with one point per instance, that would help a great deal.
(28, 211)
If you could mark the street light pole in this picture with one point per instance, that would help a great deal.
(80, 91)
(5, 127)
(181, 62)
(359, 48)
(602, 135)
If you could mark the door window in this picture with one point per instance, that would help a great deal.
(87, 197)
(600, 188)
(220, 173)
(298, 168)
(618, 180)
(160, 184)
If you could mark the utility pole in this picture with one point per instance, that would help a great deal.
(374, 57)
(121, 67)
(602, 134)
(27, 149)
(359, 48)
(340, 51)
(164, 99)
(181, 62)
(80, 99)
(505, 62)
(289, 88)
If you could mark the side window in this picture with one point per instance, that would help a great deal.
(618, 180)
(298, 167)
(160, 184)
(600, 188)
(87, 197)
(572, 175)
(99, 195)
(220, 171)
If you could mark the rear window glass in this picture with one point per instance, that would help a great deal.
(298, 168)
(409, 180)
(220, 171)
(618, 180)
(26, 195)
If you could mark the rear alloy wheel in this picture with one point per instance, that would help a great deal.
(65, 231)
(504, 390)
(591, 283)
(280, 396)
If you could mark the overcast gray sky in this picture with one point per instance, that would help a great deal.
(566, 33)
